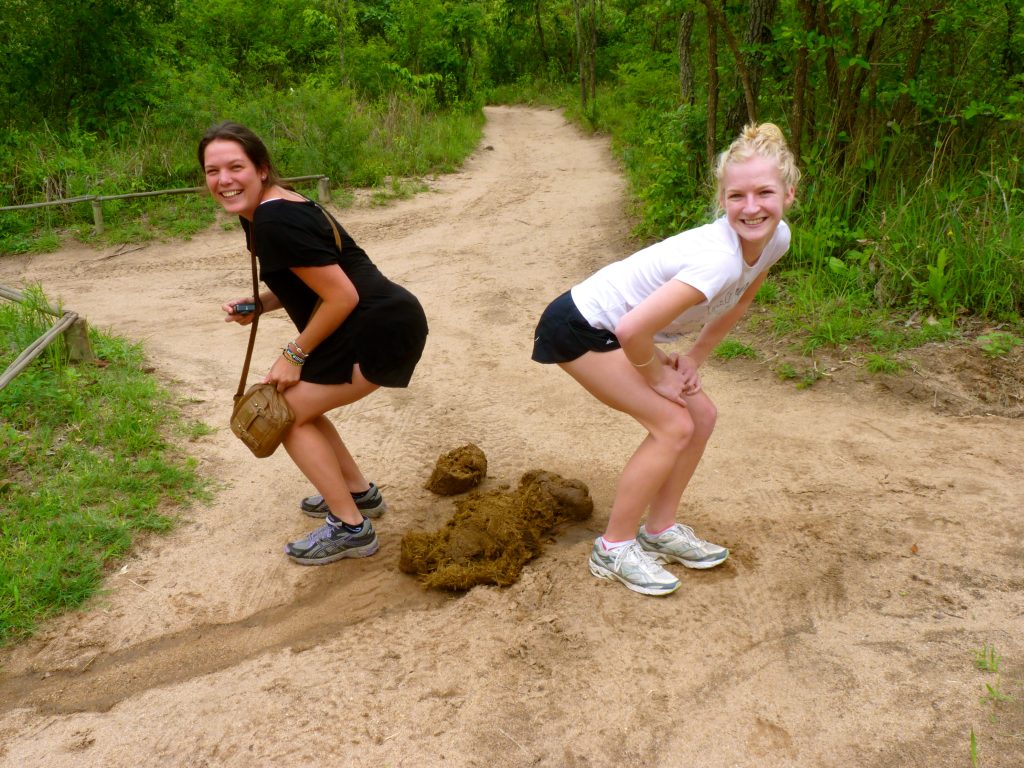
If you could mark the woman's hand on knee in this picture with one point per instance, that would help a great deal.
(688, 371)
(669, 384)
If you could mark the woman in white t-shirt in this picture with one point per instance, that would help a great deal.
(604, 331)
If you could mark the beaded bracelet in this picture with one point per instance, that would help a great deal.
(291, 357)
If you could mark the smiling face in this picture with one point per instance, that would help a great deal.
(232, 178)
(754, 198)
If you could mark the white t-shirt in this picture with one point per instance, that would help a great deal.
(709, 258)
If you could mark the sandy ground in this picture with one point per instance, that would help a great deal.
(877, 540)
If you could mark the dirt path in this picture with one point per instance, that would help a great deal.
(877, 545)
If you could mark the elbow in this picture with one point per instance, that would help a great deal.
(627, 330)
(348, 300)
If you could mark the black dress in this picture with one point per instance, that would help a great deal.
(386, 331)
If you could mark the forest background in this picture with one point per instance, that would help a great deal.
(906, 115)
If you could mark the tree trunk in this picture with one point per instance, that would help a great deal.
(902, 107)
(340, 8)
(1011, 57)
(580, 53)
(711, 135)
(592, 54)
(798, 119)
(760, 17)
(586, 44)
(823, 24)
(865, 120)
(741, 65)
(685, 48)
(540, 32)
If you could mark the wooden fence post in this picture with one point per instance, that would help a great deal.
(77, 339)
(323, 189)
(97, 216)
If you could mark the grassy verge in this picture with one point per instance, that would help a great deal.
(309, 130)
(86, 465)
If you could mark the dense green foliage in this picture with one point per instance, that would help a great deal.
(908, 116)
(85, 464)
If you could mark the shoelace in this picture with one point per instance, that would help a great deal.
(321, 533)
(643, 560)
(687, 533)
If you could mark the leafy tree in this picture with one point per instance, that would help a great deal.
(76, 61)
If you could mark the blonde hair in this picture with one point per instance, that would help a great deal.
(765, 140)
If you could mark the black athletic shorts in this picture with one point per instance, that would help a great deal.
(385, 336)
(391, 338)
(563, 334)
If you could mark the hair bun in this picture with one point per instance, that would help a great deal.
(763, 135)
(771, 133)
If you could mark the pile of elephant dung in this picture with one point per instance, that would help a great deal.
(459, 470)
(492, 535)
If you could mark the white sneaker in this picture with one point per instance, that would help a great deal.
(633, 567)
(679, 544)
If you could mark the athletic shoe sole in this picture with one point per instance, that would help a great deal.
(699, 565)
(601, 572)
(364, 551)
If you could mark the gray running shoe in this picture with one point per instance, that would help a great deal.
(633, 567)
(331, 542)
(370, 503)
(679, 544)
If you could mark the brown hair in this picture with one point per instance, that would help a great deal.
(250, 143)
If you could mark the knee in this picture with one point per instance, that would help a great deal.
(676, 433)
(301, 411)
(704, 416)
(685, 426)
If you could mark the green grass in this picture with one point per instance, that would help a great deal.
(1003, 706)
(311, 129)
(882, 364)
(803, 377)
(87, 463)
(396, 189)
(994, 695)
(730, 349)
(818, 313)
(998, 343)
(986, 659)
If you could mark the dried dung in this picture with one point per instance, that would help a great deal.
(458, 471)
(492, 535)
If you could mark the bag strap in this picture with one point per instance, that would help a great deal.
(255, 322)
(259, 304)
(334, 228)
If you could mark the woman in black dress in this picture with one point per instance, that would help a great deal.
(357, 331)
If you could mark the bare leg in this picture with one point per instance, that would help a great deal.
(666, 503)
(671, 428)
(316, 453)
(354, 478)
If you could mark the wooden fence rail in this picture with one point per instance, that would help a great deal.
(323, 192)
(69, 323)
